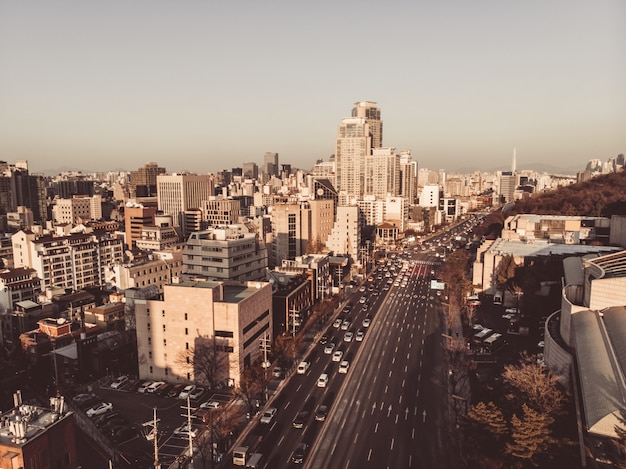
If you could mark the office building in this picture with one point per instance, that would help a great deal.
(178, 193)
(291, 229)
(229, 318)
(143, 181)
(270, 165)
(229, 252)
(78, 209)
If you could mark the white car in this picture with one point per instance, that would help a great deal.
(302, 367)
(144, 387)
(184, 430)
(119, 382)
(337, 356)
(360, 335)
(210, 405)
(337, 323)
(329, 348)
(268, 415)
(99, 409)
(184, 394)
(367, 322)
(348, 337)
(345, 325)
(343, 366)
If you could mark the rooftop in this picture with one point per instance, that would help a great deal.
(25, 421)
(542, 247)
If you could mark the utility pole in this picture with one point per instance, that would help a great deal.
(190, 431)
(154, 435)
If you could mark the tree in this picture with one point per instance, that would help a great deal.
(532, 384)
(530, 436)
(218, 424)
(619, 443)
(505, 272)
(251, 384)
(286, 349)
(207, 360)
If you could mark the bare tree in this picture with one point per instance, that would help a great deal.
(286, 349)
(252, 383)
(218, 424)
(207, 360)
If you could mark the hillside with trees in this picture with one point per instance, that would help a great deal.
(601, 196)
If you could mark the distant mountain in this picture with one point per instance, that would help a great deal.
(63, 169)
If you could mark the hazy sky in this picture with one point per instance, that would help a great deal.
(208, 85)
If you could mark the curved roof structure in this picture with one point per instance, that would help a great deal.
(601, 357)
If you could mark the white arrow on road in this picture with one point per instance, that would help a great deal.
(424, 416)
(406, 414)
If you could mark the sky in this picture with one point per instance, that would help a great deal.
(204, 86)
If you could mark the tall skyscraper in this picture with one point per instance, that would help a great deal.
(177, 193)
(143, 182)
(270, 164)
(356, 137)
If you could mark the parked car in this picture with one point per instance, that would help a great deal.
(175, 390)
(99, 409)
(154, 386)
(184, 394)
(119, 382)
(277, 372)
(196, 393)
(163, 390)
(184, 430)
(124, 434)
(268, 415)
(103, 419)
(90, 402)
(143, 387)
(210, 405)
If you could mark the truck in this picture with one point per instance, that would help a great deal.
(242, 455)
(498, 297)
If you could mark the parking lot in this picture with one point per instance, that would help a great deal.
(139, 409)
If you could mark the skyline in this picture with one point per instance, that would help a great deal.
(116, 85)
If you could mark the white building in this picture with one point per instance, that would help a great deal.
(345, 237)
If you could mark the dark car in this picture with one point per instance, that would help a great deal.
(323, 339)
(175, 390)
(89, 402)
(300, 419)
(99, 421)
(124, 434)
(299, 453)
(115, 422)
(163, 390)
(321, 413)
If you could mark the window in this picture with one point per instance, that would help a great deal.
(186, 345)
(186, 316)
(163, 313)
(151, 369)
(186, 331)
(150, 354)
(163, 327)
(164, 342)
(149, 340)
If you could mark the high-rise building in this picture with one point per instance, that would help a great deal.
(177, 193)
(77, 209)
(352, 145)
(408, 177)
(270, 164)
(371, 113)
(291, 229)
(251, 170)
(382, 173)
(143, 182)
(136, 217)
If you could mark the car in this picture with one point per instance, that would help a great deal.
(337, 356)
(103, 419)
(118, 421)
(337, 323)
(360, 335)
(324, 339)
(541, 344)
(367, 322)
(322, 381)
(343, 366)
(299, 453)
(478, 327)
(210, 405)
(119, 382)
(154, 386)
(175, 390)
(302, 367)
(321, 413)
(362, 288)
(329, 348)
(184, 430)
(123, 434)
(348, 337)
(184, 394)
(143, 387)
(300, 419)
(99, 409)
(362, 300)
(80, 398)
(345, 325)
(196, 393)
(268, 415)
(89, 402)
(346, 310)
(277, 372)
(163, 390)
(509, 316)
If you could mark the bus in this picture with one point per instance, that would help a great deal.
(479, 337)
(494, 342)
(498, 297)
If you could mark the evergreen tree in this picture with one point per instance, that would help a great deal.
(530, 437)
